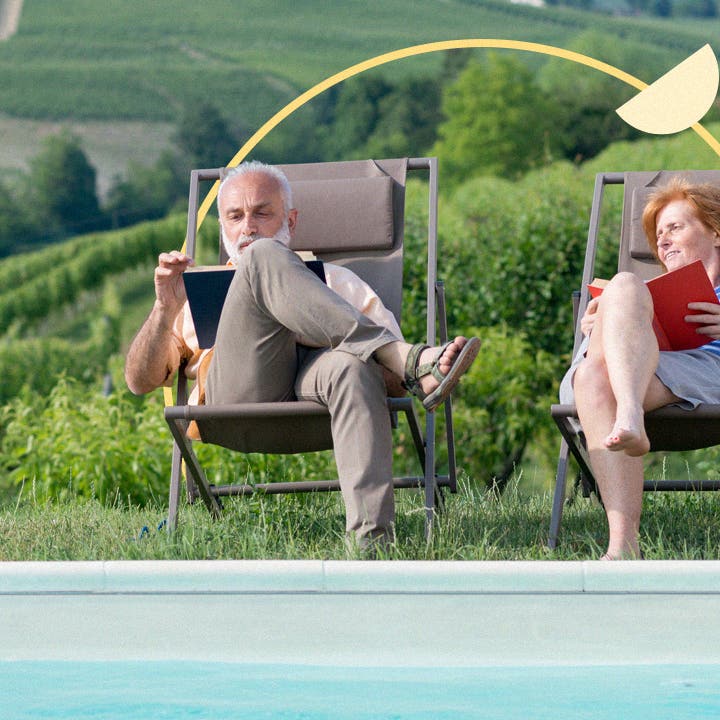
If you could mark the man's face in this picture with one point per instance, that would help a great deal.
(250, 208)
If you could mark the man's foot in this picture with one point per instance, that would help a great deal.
(433, 373)
(633, 442)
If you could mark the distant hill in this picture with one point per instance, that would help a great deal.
(140, 60)
(118, 73)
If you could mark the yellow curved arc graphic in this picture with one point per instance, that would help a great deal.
(407, 52)
(420, 50)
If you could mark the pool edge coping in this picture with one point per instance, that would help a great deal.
(331, 576)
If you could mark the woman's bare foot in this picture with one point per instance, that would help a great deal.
(633, 442)
(633, 555)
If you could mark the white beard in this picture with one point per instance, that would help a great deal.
(234, 251)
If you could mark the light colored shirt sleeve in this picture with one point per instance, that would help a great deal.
(361, 296)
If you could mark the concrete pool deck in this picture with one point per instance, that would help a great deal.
(363, 613)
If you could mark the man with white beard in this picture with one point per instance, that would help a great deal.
(285, 334)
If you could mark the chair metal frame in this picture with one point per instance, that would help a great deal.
(180, 415)
(669, 428)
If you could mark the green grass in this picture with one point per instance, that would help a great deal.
(475, 526)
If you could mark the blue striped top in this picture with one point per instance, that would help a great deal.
(714, 346)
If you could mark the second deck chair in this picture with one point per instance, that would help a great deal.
(669, 428)
(352, 214)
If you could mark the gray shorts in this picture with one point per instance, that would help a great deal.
(693, 375)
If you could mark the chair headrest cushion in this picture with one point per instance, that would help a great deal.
(343, 214)
(639, 248)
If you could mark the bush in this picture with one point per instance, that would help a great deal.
(502, 404)
(76, 442)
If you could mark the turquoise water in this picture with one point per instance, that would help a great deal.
(199, 691)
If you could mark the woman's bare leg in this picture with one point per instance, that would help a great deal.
(614, 386)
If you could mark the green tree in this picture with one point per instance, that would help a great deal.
(496, 121)
(355, 116)
(204, 137)
(62, 189)
(585, 100)
(295, 140)
(407, 122)
(16, 232)
(662, 8)
(147, 193)
(695, 8)
(454, 62)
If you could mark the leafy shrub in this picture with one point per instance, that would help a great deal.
(76, 442)
(502, 404)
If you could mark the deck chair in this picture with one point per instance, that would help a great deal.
(669, 429)
(351, 213)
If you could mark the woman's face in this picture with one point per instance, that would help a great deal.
(682, 238)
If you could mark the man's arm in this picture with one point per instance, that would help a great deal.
(153, 354)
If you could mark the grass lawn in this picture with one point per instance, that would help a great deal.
(475, 526)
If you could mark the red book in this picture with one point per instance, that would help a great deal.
(671, 293)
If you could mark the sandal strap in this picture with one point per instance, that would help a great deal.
(412, 370)
(431, 368)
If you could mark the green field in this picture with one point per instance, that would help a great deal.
(136, 60)
(117, 74)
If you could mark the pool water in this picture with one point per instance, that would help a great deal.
(204, 690)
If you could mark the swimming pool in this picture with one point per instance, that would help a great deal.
(656, 622)
(131, 690)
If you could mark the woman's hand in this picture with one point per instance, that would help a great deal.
(588, 319)
(708, 318)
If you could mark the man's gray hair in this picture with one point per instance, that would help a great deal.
(255, 166)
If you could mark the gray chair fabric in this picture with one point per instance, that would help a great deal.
(352, 214)
(671, 428)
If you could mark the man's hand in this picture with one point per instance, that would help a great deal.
(153, 355)
(169, 286)
(588, 319)
(708, 317)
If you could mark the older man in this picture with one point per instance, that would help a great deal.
(285, 334)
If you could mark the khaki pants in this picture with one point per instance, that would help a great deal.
(274, 300)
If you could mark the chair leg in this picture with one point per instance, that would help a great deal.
(559, 496)
(175, 482)
(450, 437)
(430, 487)
(193, 469)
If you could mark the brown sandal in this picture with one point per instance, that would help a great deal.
(414, 371)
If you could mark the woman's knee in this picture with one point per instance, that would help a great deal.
(591, 378)
(627, 292)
